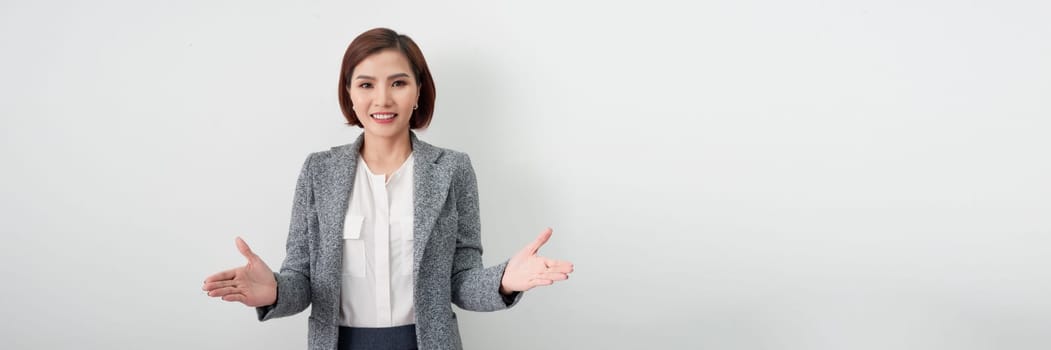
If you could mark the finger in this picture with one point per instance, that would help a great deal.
(220, 284)
(556, 262)
(539, 282)
(532, 248)
(559, 266)
(560, 269)
(224, 291)
(234, 297)
(245, 250)
(554, 276)
(225, 275)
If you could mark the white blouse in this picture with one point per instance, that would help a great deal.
(377, 250)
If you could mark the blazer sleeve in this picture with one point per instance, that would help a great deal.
(474, 287)
(293, 281)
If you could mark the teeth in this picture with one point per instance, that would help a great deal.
(383, 116)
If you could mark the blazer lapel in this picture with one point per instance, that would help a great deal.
(431, 183)
(333, 201)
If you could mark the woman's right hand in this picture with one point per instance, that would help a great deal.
(253, 284)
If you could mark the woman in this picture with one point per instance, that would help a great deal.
(385, 231)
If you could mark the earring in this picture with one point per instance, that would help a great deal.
(416, 106)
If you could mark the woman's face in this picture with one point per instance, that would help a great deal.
(383, 91)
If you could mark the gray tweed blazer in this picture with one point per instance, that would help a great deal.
(447, 256)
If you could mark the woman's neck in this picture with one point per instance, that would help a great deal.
(385, 154)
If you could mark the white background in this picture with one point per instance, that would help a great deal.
(724, 174)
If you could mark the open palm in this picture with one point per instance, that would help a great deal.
(526, 269)
(253, 284)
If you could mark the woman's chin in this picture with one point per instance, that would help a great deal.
(386, 131)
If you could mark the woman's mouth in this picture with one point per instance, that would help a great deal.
(383, 118)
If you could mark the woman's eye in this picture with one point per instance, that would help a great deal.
(365, 85)
(399, 83)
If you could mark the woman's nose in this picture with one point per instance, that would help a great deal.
(383, 96)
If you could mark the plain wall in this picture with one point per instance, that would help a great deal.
(723, 174)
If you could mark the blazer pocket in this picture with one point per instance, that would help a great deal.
(402, 239)
(353, 246)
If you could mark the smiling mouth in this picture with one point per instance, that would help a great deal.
(384, 116)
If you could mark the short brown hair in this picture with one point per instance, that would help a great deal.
(376, 40)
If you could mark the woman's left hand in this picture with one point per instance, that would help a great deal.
(526, 270)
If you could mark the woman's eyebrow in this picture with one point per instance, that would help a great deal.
(392, 76)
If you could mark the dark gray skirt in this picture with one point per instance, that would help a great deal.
(393, 338)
